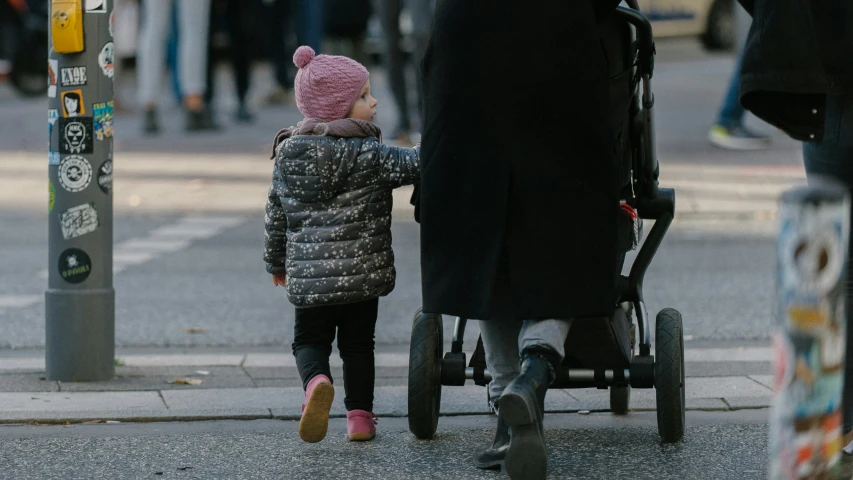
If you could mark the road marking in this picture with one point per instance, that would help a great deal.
(169, 238)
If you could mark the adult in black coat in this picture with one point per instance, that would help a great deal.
(798, 76)
(519, 193)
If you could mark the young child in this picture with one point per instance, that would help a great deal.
(328, 233)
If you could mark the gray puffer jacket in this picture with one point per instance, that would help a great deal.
(328, 217)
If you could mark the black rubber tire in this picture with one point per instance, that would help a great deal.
(620, 396)
(425, 353)
(669, 375)
(720, 30)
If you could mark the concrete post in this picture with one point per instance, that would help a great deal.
(80, 300)
(810, 336)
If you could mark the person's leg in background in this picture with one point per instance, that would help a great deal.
(194, 21)
(237, 16)
(279, 15)
(216, 14)
(310, 25)
(150, 58)
(390, 16)
(421, 12)
(833, 157)
(172, 55)
(729, 131)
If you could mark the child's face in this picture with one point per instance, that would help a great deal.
(364, 107)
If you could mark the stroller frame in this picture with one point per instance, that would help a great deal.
(664, 371)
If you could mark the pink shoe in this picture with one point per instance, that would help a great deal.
(315, 411)
(361, 425)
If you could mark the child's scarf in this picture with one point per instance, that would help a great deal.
(345, 127)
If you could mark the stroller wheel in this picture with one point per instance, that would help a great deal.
(425, 355)
(669, 375)
(620, 395)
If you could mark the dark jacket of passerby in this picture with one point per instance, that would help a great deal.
(796, 53)
(328, 215)
(519, 178)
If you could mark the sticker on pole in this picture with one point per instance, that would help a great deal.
(105, 59)
(75, 173)
(96, 6)
(72, 76)
(52, 196)
(78, 221)
(52, 67)
(113, 22)
(105, 176)
(52, 157)
(74, 265)
(72, 103)
(103, 119)
(76, 135)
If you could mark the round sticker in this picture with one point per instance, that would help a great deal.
(75, 173)
(105, 176)
(105, 59)
(52, 200)
(74, 265)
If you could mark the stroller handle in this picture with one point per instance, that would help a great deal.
(645, 39)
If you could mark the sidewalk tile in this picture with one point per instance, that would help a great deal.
(749, 402)
(724, 387)
(766, 380)
(223, 401)
(26, 382)
(200, 360)
(80, 405)
(22, 364)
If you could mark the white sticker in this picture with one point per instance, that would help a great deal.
(53, 158)
(105, 59)
(52, 115)
(52, 71)
(113, 22)
(75, 173)
(96, 6)
(73, 76)
(78, 221)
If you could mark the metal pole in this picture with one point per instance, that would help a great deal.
(80, 300)
(810, 336)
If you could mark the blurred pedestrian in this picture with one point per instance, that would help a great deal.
(420, 12)
(303, 19)
(328, 233)
(516, 134)
(346, 28)
(194, 21)
(729, 130)
(238, 16)
(802, 83)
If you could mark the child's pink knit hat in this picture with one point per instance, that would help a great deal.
(326, 86)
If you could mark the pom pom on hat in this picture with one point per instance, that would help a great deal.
(303, 56)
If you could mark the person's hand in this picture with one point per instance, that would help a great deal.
(279, 279)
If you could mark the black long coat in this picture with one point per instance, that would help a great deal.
(796, 53)
(518, 171)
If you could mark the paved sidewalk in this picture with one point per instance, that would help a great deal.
(263, 384)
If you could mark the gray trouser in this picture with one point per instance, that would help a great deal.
(193, 28)
(505, 338)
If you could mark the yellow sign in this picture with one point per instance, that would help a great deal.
(66, 25)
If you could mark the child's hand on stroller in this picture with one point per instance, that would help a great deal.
(279, 279)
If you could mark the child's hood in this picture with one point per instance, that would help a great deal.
(311, 156)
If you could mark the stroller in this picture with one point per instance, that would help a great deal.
(600, 352)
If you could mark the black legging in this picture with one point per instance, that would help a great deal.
(235, 14)
(314, 332)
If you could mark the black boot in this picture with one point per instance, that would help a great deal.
(492, 456)
(150, 125)
(522, 409)
(200, 120)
